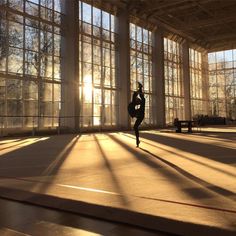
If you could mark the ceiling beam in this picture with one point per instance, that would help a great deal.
(221, 37)
(167, 4)
(212, 14)
(222, 46)
(210, 22)
(164, 14)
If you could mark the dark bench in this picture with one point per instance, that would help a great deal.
(184, 123)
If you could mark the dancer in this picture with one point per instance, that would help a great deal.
(138, 113)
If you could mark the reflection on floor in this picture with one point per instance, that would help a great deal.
(21, 219)
(168, 176)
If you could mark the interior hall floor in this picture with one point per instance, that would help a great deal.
(178, 183)
(20, 219)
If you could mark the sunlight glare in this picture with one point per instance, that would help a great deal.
(88, 87)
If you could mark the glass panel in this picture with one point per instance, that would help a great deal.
(31, 38)
(46, 14)
(87, 109)
(57, 92)
(96, 17)
(140, 61)
(57, 5)
(46, 114)
(56, 113)
(33, 52)
(46, 92)
(97, 96)
(57, 68)
(222, 85)
(86, 11)
(16, 4)
(46, 42)
(228, 55)
(31, 63)
(97, 67)
(15, 60)
(105, 20)
(57, 44)
(2, 88)
(15, 34)
(31, 8)
(30, 90)
(30, 113)
(14, 113)
(46, 66)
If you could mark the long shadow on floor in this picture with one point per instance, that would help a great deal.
(39, 154)
(182, 156)
(204, 183)
(226, 137)
(112, 174)
(220, 154)
(17, 144)
(175, 178)
(39, 159)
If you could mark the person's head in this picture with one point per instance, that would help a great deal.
(140, 85)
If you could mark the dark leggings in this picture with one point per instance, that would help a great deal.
(136, 126)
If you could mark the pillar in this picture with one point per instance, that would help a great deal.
(186, 79)
(69, 66)
(158, 78)
(205, 84)
(123, 67)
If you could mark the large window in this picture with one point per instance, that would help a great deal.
(222, 83)
(174, 97)
(196, 83)
(141, 66)
(30, 79)
(98, 86)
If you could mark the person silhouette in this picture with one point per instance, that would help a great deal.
(137, 100)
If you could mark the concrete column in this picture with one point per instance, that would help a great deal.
(123, 67)
(158, 78)
(69, 65)
(205, 83)
(186, 79)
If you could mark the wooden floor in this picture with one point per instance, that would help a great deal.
(173, 178)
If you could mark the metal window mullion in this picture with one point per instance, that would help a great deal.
(151, 109)
(77, 22)
(23, 70)
(91, 42)
(142, 57)
(111, 75)
(136, 55)
(172, 72)
(82, 71)
(53, 54)
(16, 12)
(177, 69)
(82, 65)
(102, 72)
(39, 69)
(226, 108)
(5, 105)
(7, 62)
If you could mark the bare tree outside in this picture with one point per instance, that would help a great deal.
(222, 84)
(30, 52)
